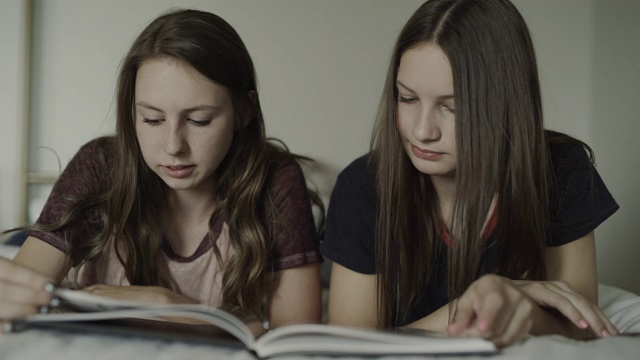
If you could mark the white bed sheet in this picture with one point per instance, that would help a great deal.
(621, 306)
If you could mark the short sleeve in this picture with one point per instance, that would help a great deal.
(85, 175)
(580, 200)
(290, 225)
(350, 229)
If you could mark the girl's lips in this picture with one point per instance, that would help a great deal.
(178, 171)
(426, 154)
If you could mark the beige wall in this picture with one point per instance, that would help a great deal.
(320, 66)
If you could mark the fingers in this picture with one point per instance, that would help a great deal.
(493, 308)
(495, 313)
(504, 311)
(16, 274)
(519, 326)
(464, 315)
(577, 309)
(22, 291)
(11, 311)
(485, 309)
(593, 316)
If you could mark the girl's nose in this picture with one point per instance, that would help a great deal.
(175, 143)
(426, 126)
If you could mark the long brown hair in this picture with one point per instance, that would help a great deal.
(133, 201)
(501, 150)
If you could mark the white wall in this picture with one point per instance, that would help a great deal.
(11, 24)
(615, 133)
(321, 66)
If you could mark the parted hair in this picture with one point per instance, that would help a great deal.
(501, 149)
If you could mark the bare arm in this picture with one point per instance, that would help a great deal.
(296, 297)
(575, 263)
(573, 281)
(494, 307)
(43, 258)
(352, 302)
(352, 298)
(503, 310)
(52, 265)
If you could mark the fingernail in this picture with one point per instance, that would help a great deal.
(43, 309)
(605, 333)
(54, 302)
(7, 327)
(49, 287)
(583, 324)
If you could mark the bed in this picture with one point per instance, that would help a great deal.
(621, 306)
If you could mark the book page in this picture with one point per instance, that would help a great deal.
(79, 306)
(328, 339)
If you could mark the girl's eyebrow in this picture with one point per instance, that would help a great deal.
(195, 108)
(401, 84)
(441, 97)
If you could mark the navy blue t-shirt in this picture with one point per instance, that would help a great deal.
(580, 203)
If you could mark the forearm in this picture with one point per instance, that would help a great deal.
(436, 321)
(145, 294)
(43, 258)
(296, 298)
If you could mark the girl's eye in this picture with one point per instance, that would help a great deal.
(448, 109)
(405, 99)
(200, 122)
(152, 122)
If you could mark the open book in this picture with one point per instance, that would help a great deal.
(232, 326)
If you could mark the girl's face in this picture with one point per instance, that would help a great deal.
(184, 123)
(426, 115)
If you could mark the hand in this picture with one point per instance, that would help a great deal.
(494, 308)
(503, 311)
(22, 291)
(561, 297)
(147, 294)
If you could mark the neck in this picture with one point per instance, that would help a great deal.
(190, 203)
(186, 219)
(445, 188)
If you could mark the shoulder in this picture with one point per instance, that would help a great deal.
(358, 175)
(93, 160)
(283, 176)
(99, 150)
(359, 168)
(98, 145)
(580, 200)
(569, 154)
(356, 183)
(285, 188)
(350, 227)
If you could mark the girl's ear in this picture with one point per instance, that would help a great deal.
(248, 113)
(253, 96)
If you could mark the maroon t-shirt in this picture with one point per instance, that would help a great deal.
(290, 227)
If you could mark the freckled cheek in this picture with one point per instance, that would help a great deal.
(148, 146)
